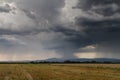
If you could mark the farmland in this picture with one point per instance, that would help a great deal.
(59, 71)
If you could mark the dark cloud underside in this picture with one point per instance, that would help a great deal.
(60, 28)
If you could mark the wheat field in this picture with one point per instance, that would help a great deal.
(59, 71)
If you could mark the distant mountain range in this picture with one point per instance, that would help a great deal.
(68, 60)
(81, 60)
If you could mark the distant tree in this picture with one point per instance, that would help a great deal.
(67, 61)
(93, 61)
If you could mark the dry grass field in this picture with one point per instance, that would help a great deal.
(59, 71)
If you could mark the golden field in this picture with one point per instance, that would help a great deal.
(59, 71)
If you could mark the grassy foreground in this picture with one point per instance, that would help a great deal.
(59, 71)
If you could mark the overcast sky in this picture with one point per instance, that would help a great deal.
(42, 29)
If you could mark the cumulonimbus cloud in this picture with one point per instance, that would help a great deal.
(66, 27)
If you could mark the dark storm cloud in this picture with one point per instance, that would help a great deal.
(104, 7)
(100, 30)
(23, 33)
(69, 42)
(29, 14)
(105, 31)
(28, 20)
(95, 26)
(32, 17)
(5, 8)
(47, 9)
(97, 31)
